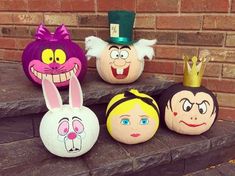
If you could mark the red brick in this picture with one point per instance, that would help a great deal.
(7, 43)
(212, 69)
(145, 21)
(93, 20)
(227, 113)
(21, 43)
(221, 54)
(13, 5)
(162, 37)
(16, 31)
(78, 6)
(221, 85)
(44, 5)
(204, 5)
(107, 5)
(92, 63)
(201, 38)
(81, 34)
(226, 99)
(11, 55)
(28, 18)
(219, 22)
(80, 44)
(229, 71)
(103, 34)
(174, 52)
(233, 6)
(6, 18)
(60, 18)
(230, 40)
(157, 6)
(159, 67)
(178, 22)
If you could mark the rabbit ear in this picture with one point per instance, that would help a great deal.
(51, 95)
(75, 93)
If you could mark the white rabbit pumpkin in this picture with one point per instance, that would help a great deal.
(67, 130)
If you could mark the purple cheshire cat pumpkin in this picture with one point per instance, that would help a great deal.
(54, 56)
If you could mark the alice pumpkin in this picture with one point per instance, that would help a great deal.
(132, 117)
(53, 56)
(189, 108)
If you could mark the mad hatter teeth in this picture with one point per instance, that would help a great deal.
(119, 71)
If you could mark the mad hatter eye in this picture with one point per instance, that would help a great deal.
(114, 54)
(187, 105)
(202, 108)
(124, 54)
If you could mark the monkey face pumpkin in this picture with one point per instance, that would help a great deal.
(119, 64)
(188, 110)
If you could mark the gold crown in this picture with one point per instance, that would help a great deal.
(193, 74)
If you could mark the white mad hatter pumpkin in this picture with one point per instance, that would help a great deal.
(120, 60)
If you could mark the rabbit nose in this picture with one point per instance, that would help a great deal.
(72, 135)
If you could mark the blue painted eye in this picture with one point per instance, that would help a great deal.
(125, 122)
(144, 121)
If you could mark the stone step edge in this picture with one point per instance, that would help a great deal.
(18, 101)
(198, 145)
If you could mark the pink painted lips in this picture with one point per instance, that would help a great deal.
(135, 135)
(120, 73)
(192, 125)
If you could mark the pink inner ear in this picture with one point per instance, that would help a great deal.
(75, 93)
(52, 96)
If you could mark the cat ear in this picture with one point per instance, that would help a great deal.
(51, 95)
(75, 93)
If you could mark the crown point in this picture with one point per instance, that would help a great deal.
(194, 59)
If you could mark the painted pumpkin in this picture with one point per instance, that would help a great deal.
(121, 61)
(189, 108)
(68, 130)
(132, 117)
(53, 56)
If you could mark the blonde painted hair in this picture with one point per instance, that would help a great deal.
(126, 106)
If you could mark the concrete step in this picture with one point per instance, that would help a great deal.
(167, 154)
(224, 169)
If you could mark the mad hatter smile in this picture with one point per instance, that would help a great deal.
(120, 73)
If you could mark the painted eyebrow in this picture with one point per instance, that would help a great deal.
(125, 46)
(65, 118)
(125, 115)
(203, 102)
(76, 118)
(186, 99)
(113, 46)
(143, 116)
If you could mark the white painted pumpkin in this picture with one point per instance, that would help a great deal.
(67, 130)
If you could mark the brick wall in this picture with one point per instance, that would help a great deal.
(181, 27)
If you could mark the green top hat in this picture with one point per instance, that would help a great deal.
(121, 27)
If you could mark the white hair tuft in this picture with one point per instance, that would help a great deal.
(94, 46)
(144, 48)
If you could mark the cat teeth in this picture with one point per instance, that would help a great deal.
(57, 78)
(119, 71)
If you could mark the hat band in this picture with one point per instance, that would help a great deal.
(120, 39)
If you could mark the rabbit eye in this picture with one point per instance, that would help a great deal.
(78, 126)
(63, 128)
